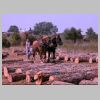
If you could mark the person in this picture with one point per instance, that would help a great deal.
(27, 48)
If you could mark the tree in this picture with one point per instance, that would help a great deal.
(45, 28)
(31, 38)
(14, 29)
(91, 34)
(73, 34)
(15, 39)
(5, 41)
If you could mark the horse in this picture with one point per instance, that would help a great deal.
(39, 47)
(48, 45)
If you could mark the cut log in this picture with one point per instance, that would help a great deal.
(8, 70)
(82, 59)
(30, 76)
(4, 55)
(5, 72)
(71, 76)
(66, 58)
(89, 82)
(12, 60)
(93, 59)
(21, 53)
(40, 77)
(52, 78)
(97, 59)
(13, 77)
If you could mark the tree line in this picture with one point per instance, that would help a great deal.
(44, 28)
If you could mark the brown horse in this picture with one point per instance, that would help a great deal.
(39, 48)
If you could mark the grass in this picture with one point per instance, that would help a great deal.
(81, 46)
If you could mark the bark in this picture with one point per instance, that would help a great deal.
(71, 76)
(14, 77)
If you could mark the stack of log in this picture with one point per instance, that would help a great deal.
(4, 55)
(73, 74)
(19, 52)
(84, 58)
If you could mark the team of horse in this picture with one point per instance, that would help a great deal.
(46, 47)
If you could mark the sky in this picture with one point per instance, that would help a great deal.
(62, 21)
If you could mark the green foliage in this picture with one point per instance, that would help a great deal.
(91, 34)
(73, 34)
(15, 39)
(5, 41)
(14, 29)
(45, 28)
(31, 38)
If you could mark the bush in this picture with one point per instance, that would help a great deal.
(5, 42)
(73, 34)
(31, 39)
(15, 39)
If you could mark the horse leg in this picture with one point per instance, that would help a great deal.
(34, 53)
(48, 56)
(54, 54)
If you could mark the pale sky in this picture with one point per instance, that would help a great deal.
(62, 21)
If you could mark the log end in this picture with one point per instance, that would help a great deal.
(28, 79)
(65, 58)
(38, 82)
(5, 71)
(9, 78)
(18, 70)
(51, 78)
(90, 60)
(76, 60)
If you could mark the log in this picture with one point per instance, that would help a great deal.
(97, 59)
(12, 60)
(30, 76)
(14, 77)
(18, 51)
(4, 55)
(71, 75)
(93, 59)
(82, 59)
(66, 58)
(6, 71)
(40, 78)
(89, 82)
(21, 53)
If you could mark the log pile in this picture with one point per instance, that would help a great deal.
(70, 71)
(72, 74)
(4, 55)
(84, 58)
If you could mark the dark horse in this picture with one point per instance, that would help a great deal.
(48, 45)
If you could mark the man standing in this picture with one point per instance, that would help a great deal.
(27, 48)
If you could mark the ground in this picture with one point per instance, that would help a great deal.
(52, 67)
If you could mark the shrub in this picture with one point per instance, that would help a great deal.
(15, 39)
(5, 42)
